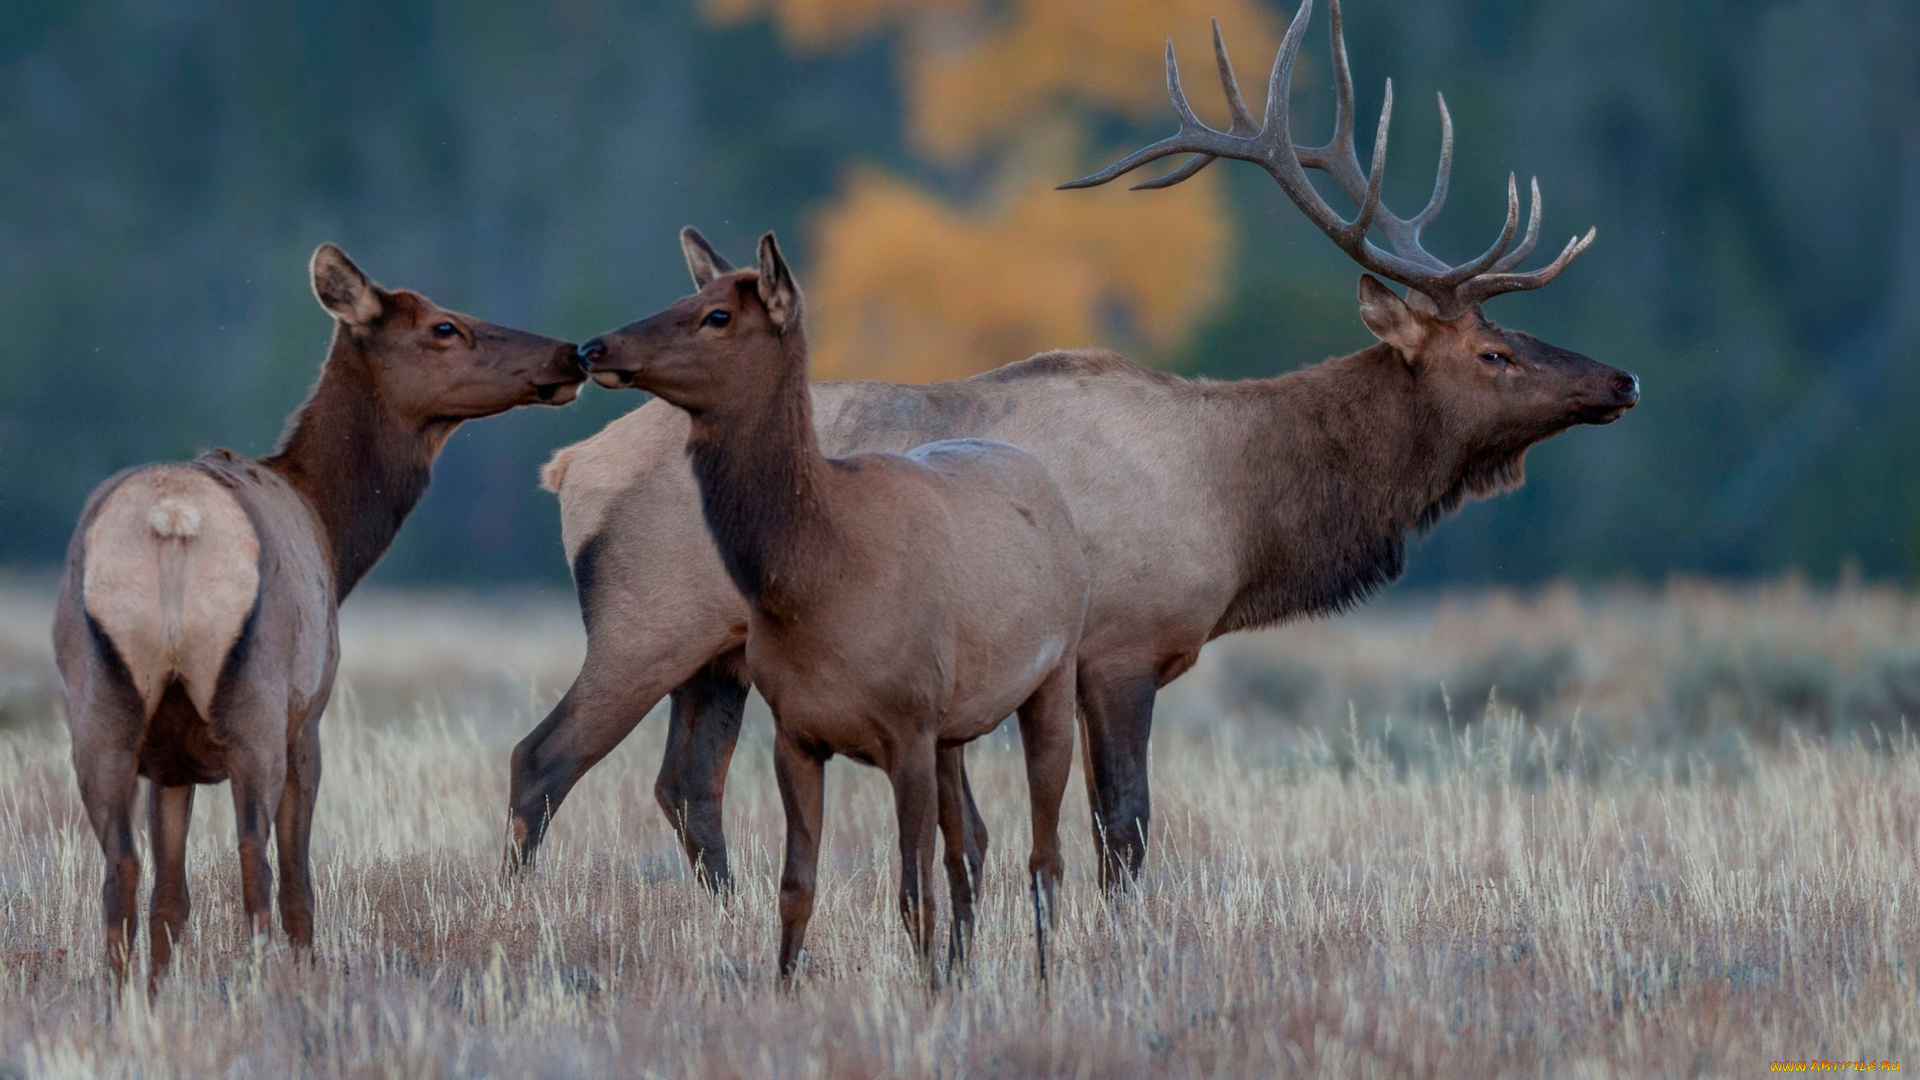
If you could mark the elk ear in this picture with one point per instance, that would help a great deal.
(705, 263)
(778, 291)
(343, 288)
(1392, 319)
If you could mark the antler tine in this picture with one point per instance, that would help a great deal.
(1243, 122)
(1517, 255)
(1338, 157)
(1194, 137)
(1486, 287)
(1178, 93)
(1441, 177)
(1342, 89)
(1370, 205)
(1167, 180)
(1276, 125)
(1469, 270)
(1277, 131)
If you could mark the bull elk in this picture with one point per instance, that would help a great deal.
(196, 624)
(1205, 507)
(898, 606)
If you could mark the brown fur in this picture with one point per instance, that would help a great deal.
(1205, 507)
(898, 606)
(195, 630)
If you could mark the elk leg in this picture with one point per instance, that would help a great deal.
(701, 732)
(169, 815)
(1117, 713)
(1046, 736)
(976, 830)
(106, 778)
(259, 777)
(916, 803)
(951, 767)
(613, 692)
(293, 828)
(802, 778)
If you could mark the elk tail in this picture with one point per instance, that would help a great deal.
(176, 523)
(554, 473)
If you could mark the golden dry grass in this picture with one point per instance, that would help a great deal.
(1658, 873)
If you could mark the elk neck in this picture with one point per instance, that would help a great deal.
(762, 479)
(1330, 468)
(360, 465)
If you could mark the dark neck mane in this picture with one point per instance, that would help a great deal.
(1332, 468)
(360, 466)
(760, 470)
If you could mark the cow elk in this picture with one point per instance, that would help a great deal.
(1205, 507)
(196, 625)
(899, 606)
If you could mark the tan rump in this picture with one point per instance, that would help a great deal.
(554, 473)
(172, 568)
(589, 475)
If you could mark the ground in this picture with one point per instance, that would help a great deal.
(1635, 832)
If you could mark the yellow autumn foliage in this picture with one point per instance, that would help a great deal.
(911, 287)
(904, 287)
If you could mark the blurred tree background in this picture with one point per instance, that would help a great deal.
(1753, 168)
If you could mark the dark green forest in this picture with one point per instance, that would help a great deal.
(1753, 170)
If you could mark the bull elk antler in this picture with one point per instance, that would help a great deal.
(1454, 290)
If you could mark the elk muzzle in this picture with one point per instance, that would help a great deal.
(567, 374)
(1621, 392)
(593, 357)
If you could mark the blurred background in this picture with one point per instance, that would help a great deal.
(1753, 169)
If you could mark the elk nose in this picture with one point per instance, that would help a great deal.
(591, 352)
(1627, 386)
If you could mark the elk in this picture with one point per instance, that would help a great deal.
(898, 606)
(1204, 507)
(196, 623)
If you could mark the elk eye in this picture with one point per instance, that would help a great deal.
(717, 317)
(445, 330)
(1494, 358)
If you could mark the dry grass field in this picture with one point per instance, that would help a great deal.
(1637, 833)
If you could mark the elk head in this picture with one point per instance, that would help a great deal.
(730, 344)
(1497, 391)
(434, 366)
(1503, 390)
